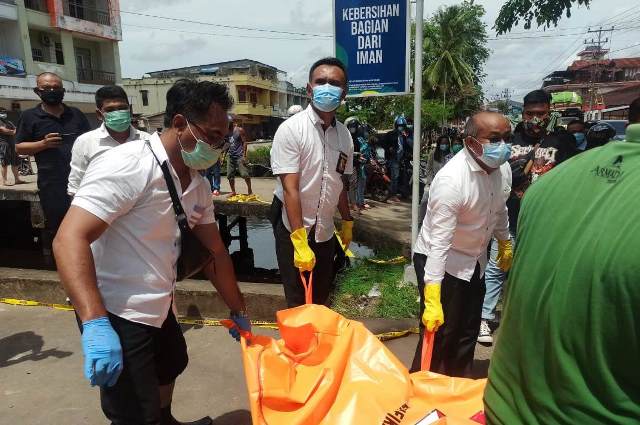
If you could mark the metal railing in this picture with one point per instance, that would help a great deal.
(94, 76)
(39, 5)
(81, 11)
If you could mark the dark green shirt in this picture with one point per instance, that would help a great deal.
(569, 345)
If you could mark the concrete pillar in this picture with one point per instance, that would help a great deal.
(25, 41)
(116, 62)
(69, 53)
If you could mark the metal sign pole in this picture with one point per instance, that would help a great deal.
(417, 122)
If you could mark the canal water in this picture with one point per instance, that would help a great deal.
(260, 234)
(20, 244)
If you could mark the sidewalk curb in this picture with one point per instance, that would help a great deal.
(194, 298)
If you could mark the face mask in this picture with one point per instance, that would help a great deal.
(202, 156)
(117, 120)
(366, 135)
(444, 148)
(327, 97)
(456, 148)
(401, 128)
(352, 130)
(495, 154)
(581, 141)
(51, 97)
(534, 125)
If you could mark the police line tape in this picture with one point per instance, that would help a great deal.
(385, 336)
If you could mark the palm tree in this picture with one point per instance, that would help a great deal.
(454, 45)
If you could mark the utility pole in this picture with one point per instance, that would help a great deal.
(598, 53)
(417, 122)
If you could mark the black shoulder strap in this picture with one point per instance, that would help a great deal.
(175, 200)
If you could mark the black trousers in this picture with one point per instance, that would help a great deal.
(455, 341)
(152, 357)
(323, 275)
(52, 191)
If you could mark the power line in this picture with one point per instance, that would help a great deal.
(219, 34)
(189, 21)
(558, 35)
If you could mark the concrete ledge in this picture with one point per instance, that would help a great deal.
(194, 298)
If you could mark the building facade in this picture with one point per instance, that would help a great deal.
(602, 83)
(76, 39)
(260, 92)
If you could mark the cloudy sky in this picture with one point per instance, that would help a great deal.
(291, 34)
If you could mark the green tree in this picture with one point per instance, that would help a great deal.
(544, 12)
(455, 47)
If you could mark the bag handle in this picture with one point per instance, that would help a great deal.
(308, 287)
(175, 199)
(427, 350)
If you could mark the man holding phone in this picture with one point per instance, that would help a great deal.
(48, 132)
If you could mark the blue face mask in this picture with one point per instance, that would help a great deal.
(202, 156)
(444, 148)
(581, 141)
(495, 154)
(327, 97)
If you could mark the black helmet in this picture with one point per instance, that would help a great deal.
(352, 124)
(599, 134)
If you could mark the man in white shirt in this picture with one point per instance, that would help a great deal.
(112, 108)
(466, 209)
(118, 247)
(312, 155)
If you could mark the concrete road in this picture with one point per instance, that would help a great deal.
(41, 378)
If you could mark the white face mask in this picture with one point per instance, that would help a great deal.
(3, 115)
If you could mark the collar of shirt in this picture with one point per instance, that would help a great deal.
(41, 113)
(315, 118)
(104, 133)
(471, 161)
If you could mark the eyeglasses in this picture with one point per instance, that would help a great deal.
(206, 137)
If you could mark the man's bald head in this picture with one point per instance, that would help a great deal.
(479, 123)
(484, 128)
(48, 79)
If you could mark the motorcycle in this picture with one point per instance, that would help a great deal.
(378, 181)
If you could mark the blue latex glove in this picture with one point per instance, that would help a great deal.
(102, 352)
(241, 322)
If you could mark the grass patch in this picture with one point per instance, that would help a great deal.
(397, 300)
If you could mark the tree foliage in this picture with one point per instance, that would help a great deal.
(544, 12)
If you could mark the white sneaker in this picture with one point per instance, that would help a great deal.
(485, 333)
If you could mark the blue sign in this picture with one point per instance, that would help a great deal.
(372, 40)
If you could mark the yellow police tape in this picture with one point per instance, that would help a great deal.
(246, 198)
(386, 336)
(396, 260)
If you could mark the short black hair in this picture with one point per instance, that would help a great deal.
(193, 98)
(110, 93)
(576, 122)
(537, 96)
(634, 111)
(331, 61)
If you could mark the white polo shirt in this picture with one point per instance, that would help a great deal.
(466, 208)
(91, 144)
(136, 256)
(301, 146)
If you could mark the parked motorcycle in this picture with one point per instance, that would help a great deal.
(378, 181)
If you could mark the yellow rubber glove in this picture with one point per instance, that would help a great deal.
(505, 255)
(346, 233)
(303, 257)
(433, 317)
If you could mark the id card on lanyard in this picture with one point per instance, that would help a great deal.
(342, 163)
